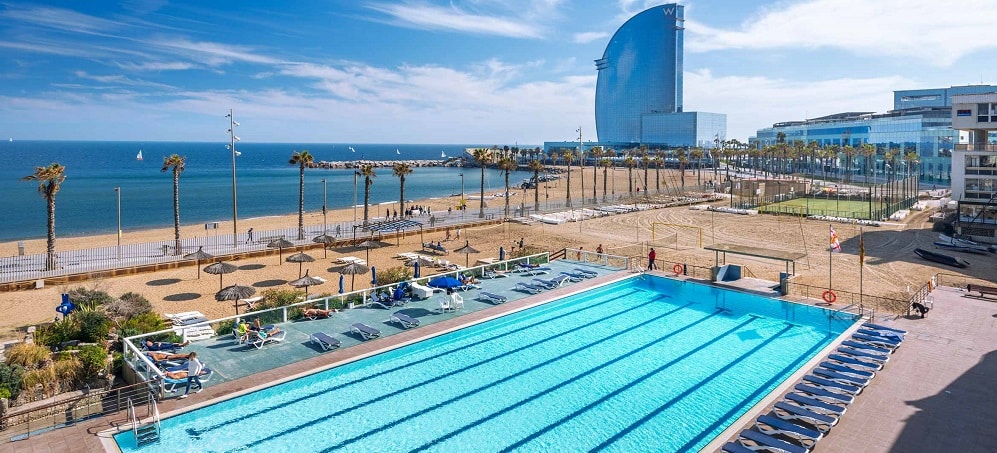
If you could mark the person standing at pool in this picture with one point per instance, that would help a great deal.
(194, 368)
(650, 259)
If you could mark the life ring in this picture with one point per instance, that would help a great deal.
(829, 296)
(677, 268)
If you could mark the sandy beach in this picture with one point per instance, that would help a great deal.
(890, 262)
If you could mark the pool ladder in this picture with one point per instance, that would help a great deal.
(148, 433)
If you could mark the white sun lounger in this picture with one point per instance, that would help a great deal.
(258, 339)
(325, 341)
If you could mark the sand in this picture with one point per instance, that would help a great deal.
(890, 262)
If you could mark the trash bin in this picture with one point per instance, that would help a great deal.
(20, 248)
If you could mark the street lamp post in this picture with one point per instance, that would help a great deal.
(235, 211)
(355, 174)
(117, 191)
(325, 228)
(463, 204)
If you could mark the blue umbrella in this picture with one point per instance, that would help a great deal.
(445, 282)
(341, 283)
(501, 253)
(417, 266)
(373, 276)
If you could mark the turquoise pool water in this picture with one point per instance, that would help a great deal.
(644, 364)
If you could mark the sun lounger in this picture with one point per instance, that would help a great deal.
(831, 385)
(492, 273)
(770, 425)
(876, 341)
(385, 303)
(195, 333)
(842, 378)
(492, 297)
(824, 395)
(261, 338)
(882, 327)
(898, 337)
(573, 276)
(537, 271)
(325, 341)
(853, 362)
(366, 332)
(405, 320)
(759, 441)
(734, 447)
(851, 371)
(526, 287)
(816, 405)
(545, 283)
(587, 272)
(172, 385)
(865, 355)
(867, 347)
(792, 412)
(314, 313)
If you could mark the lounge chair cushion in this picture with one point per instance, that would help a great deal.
(325, 341)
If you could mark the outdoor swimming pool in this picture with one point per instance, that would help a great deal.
(643, 364)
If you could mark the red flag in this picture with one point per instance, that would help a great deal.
(835, 245)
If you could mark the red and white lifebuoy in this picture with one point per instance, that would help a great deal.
(677, 268)
(829, 297)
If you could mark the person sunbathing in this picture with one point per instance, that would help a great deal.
(164, 356)
(317, 313)
(164, 345)
(270, 328)
(469, 280)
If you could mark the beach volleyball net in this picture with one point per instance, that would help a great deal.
(676, 236)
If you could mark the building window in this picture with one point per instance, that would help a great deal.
(964, 112)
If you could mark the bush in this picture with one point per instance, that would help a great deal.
(143, 323)
(11, 380)
(393, 275)
(29, 356)
(94, 361)
(128, 306)
(58, 332)
(273, 298)
(44, 377)
(94, 326)
(68, 372)
(89, 299)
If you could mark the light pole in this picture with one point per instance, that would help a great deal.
(463, 204)
(355, 174)
(325, 228)
(232, 123)
(117, 191)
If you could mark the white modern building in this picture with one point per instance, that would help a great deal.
(974, 165)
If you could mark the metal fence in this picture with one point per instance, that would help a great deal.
(849, 298)
(22, 424)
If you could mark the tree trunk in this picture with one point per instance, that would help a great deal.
(507, 193)
(401, 193)
(481, 204)
(176, 209)
(536, 191)
(605, 170)
(301, 202)
(50, 261)
(366, 200)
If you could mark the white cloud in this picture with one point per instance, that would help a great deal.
(118, 79)
(587, 37)
(156, 66)
(938, 34)
(211, 53)
(752, 103)
(455, 18)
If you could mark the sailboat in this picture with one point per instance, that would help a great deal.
(397, 152)
(443, 154)
(139, 156)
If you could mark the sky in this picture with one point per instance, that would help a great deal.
(458, 71)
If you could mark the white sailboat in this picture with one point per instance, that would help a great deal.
(443, 154)
(139, 156)
(397, 152)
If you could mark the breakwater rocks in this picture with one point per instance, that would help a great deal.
(454, 162)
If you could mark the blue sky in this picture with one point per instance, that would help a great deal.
(428, 71)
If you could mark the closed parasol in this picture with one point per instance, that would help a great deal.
(301, 258)
(220, 268)
(235, 292)
(280, 245)
(305, 282)
(199, 255)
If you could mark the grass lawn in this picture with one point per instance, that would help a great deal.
(818, 206)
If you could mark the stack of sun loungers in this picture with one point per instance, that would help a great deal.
(796, 423)
(190, 325)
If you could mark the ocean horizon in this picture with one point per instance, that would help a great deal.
(267, 185)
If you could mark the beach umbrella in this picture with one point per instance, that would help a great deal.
(199, 255)
(368, 244)
(280, 245)
(353, 269)
(467, 250)
(326, 241)
(301, 258)
(220, 268)
(373, 276)
(341, 284)
(421, 260)
(416, 265)
(305, 282)
(235, 292)
(445, 282)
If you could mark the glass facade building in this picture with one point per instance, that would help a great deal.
(920, 122)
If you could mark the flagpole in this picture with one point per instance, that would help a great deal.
(830, 252)
(861, 263)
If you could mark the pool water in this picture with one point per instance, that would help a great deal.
(643, 364)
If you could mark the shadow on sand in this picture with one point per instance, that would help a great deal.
(269, 283)
(163, 282)
(181, 297)
(251, 267)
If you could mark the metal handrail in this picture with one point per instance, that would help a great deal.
(132, 419)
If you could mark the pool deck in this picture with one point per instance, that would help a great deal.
(935, 394)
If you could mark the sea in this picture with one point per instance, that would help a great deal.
(266, 184)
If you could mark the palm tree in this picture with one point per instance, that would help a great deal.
(367, 171)
(401, 169)
(697, 153)
(49, 179)
(630, 163)
(683, 160)
(481, 156)
(850, 153)
(605, 163)
(645, 159)
(568, 156)
(867, 150)
(302, 160)
(596, 153)
(536, 167)
(176, 163)
(506, 165)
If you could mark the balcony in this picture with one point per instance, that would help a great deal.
(974, 147)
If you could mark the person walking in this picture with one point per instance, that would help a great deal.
(249, 236)
(599, 249)
(194, 368)
(650, 259)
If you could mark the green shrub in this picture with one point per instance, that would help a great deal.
(117, 361)
(58, 332)
(273, 298)
(94, 326)
(94, 361)
(128, 306)
(29, 356)
(393, 275)
(44, 377)
(143, 323)
(68, 372)
(11, 380)
(89, 299)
